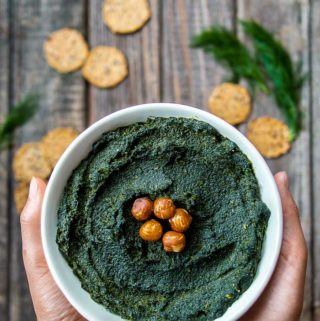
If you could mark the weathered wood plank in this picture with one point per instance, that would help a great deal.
(315, 76)
(62, 104)
(4, 199)
(188, 75)
(289, 20)
(162, 67)
(142, 52)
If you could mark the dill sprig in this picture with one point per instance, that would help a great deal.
(270, 67)
(286, 80)
(17, 117)
(230, 52)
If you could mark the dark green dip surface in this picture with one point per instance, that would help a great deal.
(201, 171)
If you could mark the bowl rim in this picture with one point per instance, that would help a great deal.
(277, 239)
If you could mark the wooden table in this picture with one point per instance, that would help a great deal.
(162, 68)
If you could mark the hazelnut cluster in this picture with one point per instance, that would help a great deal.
(152, 230)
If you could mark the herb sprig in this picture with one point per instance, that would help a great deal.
(285, 79)
(270, 66)
(17, 117)
(230, 52)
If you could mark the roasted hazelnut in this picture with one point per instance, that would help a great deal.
(173, 241)
(181, 220)
(151, 231)
(164, 208)
(142, 208)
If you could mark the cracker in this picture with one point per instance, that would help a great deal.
(21, 195)
(65, 50)
(230, 102)
(105, 67)
(269, 135)
(29, 161)
(55, 142)
(126, 16)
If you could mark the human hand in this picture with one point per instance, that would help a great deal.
(281, 300)
(48, 301)
(283, 296)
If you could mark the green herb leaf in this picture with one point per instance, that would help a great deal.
(5, 142)
(229, 51)
(286, 79)
(18, 116)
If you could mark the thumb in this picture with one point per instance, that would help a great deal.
(293, 238)
(33, 256)
(48, 301)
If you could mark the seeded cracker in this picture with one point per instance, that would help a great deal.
(230, 102)
(105, 67)
(65, 50)
(55, 142)
(29, 161)
(269, 135)
(126, 16)
(21, 195)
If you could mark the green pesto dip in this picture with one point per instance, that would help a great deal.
(203, 172)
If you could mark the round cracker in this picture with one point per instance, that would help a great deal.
(105, 67)
(65, 50)
(269, 135)
(21, 195)
(55, 143)
(230, 102)
(30, 161)
(126, 16)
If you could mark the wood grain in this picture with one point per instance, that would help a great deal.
(142, 52)
(4, 197)
(162, 68)
(188, 75)
(315, 135)
(290, 22)
(62, 104)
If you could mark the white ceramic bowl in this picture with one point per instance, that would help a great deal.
(78, 150)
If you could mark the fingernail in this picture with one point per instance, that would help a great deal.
(33, 189)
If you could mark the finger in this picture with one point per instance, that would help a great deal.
(294, 245)
(30, 228)
(289, 207)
